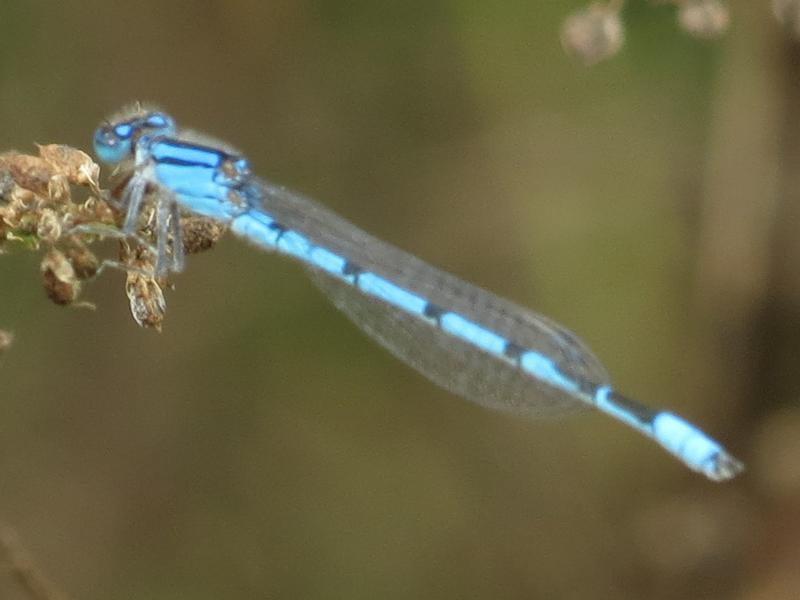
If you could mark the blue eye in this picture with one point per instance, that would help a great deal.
(123, 131)
(112, 144)
(161, 123)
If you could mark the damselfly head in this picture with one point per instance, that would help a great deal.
(114, 141)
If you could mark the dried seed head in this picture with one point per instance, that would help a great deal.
(95, 210)
(85, 263)
(594, 33)
(136, 257)
(30, 172)
(23, 199)
(7, 183)
(60, 282)
(146, 299)
(21, 212)
(144, 290)
(77, 166)
(788, 14)
(706, 19)
(58, 189)
(200, 234)
(49, 227)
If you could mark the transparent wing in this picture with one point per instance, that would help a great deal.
(455, 365)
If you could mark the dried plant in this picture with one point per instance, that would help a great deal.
(54, 202)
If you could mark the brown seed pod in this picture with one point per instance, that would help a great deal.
(60, 282)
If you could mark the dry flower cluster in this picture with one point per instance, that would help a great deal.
(53, 202)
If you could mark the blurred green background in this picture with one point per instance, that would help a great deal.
(261, 447)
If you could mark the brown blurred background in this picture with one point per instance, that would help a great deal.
(261, 447)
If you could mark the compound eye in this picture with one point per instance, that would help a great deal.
(112, 143)
(160, 123)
